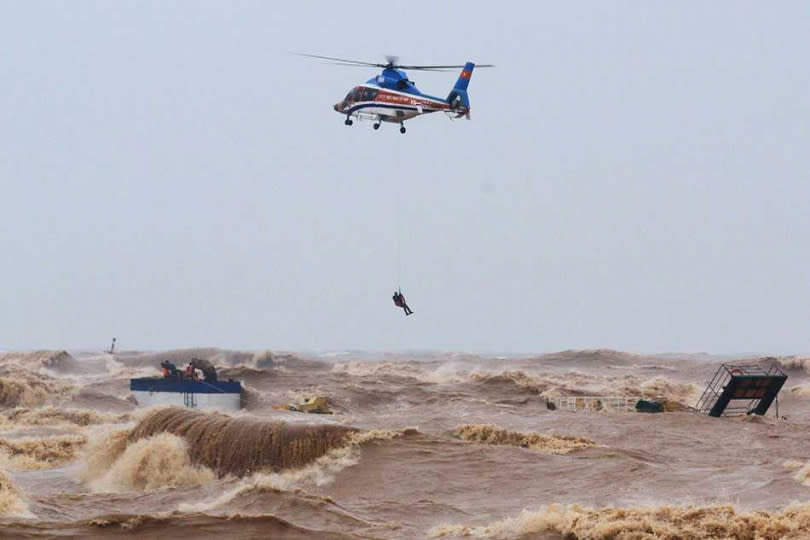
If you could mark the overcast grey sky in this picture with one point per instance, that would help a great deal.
(636, 175)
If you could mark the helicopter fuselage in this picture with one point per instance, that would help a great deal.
(392, 97)
(373, 102)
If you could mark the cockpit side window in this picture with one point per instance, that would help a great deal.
(369, 94)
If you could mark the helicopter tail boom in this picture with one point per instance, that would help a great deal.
(458, 99)
(463, 80)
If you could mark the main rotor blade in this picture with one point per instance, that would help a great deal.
(346, 64)
(436, 68)
(420, 68)
(344, 60)
(391, 63)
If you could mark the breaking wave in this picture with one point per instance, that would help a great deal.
(12, 500)
(591, 358)
(26, 454)
(795, 362)
(492, 434)
(166, 525)
(159, 461)
(674, 395)
(264, 359)
(101, 452)
(377, 369)
(802, 474)
(52, 416)
(177, 356)
(445, 373)
(671, 522)
(518, 378)
(240, 446)
(319, 473)
(60, 361)
(160, 472)
(29, 390)
(219, 357)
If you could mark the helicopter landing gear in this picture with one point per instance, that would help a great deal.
(402, 128)
(376, 125)
(348, 121)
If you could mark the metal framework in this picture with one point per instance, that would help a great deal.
(738, 389)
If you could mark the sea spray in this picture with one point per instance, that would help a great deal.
(101, 453)
(159, 461)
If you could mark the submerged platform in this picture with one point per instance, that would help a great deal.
(160, 391)
(592, 403)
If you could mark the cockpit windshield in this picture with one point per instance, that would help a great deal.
(362, 93)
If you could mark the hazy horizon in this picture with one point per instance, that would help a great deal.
(428, 353)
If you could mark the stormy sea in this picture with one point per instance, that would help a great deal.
(429, 445)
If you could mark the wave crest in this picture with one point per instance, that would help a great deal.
(674, 395)
(707, 522)
(242, 445)
(30, 453)
(492, 434)
(320, 472)
(34, 360)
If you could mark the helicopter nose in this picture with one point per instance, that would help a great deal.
(337, 107)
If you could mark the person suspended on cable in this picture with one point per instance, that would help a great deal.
(399, 301)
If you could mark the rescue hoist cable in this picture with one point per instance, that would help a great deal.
(399, 235)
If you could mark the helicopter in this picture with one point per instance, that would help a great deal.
(392, 97)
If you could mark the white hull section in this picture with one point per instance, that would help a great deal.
(219, 401)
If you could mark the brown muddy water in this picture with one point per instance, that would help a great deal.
(419, 446)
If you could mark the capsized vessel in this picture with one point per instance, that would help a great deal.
(195, 387)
